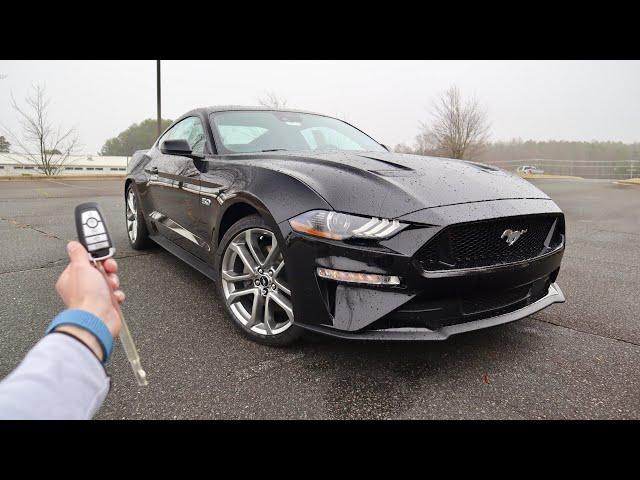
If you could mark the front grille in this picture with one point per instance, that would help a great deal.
(480, 244)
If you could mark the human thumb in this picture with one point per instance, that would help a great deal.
(77, 253)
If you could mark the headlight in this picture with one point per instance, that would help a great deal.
(340, 226)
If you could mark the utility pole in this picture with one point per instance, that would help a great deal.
(158, 92)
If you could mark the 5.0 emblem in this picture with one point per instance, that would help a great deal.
(512, 235)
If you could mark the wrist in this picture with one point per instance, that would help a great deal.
(91, 324)
(86, 337)
(92, 309)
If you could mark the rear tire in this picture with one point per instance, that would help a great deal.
(248, 255)
(137, 232)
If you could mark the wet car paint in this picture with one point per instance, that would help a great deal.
(430, 193)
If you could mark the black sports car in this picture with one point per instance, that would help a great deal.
(305, 222)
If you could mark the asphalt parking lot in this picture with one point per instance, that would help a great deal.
(577, 360)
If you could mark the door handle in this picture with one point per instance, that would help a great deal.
(153, 171)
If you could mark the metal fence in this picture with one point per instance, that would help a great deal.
(607, 169)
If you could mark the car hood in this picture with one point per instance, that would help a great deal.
(392, 184)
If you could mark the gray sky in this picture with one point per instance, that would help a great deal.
(539, 100)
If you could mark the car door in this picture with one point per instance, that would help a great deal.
(174, 185)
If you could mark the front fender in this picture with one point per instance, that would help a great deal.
(275, 195)
(283, 195)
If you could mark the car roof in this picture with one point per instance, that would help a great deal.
(226, 108)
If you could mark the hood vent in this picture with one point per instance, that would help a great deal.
(482, 166)
(397, 173)
(387, 162)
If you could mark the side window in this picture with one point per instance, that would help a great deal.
(196, 137)
(189, 129)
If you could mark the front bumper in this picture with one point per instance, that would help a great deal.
(554, 295)
(424, 306)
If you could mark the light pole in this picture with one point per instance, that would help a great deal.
(158, 93)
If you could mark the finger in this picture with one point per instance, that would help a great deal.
(120, 296)
(114, 281)
(62, 280)
(110, 265)
(77, 253)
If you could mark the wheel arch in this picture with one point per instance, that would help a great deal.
(241, 206)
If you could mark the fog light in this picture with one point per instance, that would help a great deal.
(353, 277)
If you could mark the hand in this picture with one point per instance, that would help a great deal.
(82, 286)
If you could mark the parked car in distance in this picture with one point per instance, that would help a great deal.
(528, 169)
(305, 222)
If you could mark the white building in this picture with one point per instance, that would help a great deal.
(15, 165)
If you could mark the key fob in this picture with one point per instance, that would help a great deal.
(92, 231)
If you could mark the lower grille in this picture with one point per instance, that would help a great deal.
(482, 303)
(423, 312)
(484, 243)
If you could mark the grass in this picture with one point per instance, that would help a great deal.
(630, 181)
(544, 175)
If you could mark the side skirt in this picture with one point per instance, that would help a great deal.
(186, 257)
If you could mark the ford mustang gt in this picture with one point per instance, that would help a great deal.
(305, 222)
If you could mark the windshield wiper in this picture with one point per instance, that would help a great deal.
(274, 150)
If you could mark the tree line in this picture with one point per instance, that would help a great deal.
(517, 149)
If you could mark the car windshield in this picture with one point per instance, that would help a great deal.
(248, 131)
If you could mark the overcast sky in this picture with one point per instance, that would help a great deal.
(540, 100)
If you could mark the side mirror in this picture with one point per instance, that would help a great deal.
(176, 147)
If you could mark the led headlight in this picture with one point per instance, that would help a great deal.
(340, 226)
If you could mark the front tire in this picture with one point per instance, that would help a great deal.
(136, 227)
(252, 283)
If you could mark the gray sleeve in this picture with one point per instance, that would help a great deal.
(60, 378)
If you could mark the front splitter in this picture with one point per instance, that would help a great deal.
(554, 295)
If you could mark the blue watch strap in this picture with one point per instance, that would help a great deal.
(89, 322)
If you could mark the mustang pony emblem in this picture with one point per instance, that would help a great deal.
(512, 235)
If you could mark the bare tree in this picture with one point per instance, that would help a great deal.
(403, 148)
(459, 129)
(426, 142)
(271, 100)
(42, 144)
